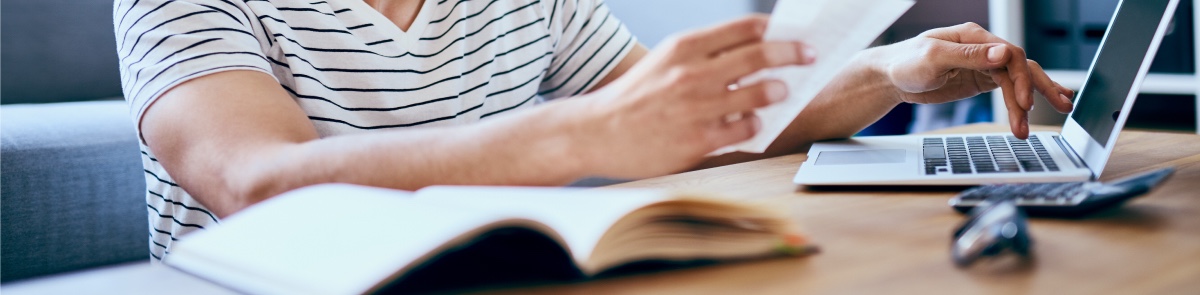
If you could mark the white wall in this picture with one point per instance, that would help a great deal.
(653, 20)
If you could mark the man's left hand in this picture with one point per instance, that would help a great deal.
(949, 64)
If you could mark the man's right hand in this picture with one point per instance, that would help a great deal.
(670, 110)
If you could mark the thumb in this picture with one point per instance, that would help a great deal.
(980, 57)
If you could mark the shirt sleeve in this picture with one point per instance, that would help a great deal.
(589, 41)
(162, 43)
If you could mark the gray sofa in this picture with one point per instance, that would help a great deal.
(71, 185)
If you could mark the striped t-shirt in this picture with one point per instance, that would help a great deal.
(352, 70)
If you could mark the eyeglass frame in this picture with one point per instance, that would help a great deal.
(991, 228)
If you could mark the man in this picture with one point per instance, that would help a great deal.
(238, 101)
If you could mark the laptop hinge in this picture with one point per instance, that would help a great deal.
(1071, 154)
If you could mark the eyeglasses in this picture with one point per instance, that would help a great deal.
(994, 227)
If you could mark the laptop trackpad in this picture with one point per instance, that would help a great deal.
(891, 156)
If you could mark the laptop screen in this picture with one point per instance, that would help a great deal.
(1116, 66)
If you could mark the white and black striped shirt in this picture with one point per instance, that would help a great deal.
(352, 70)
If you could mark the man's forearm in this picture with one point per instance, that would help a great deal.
(532, 147)
(858, 97)
(526, 148)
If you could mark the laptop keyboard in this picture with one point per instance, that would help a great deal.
(985, 154)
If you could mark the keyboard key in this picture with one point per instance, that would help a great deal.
(934, 153)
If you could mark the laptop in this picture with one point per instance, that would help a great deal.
(1079, 153)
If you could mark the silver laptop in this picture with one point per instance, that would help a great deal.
(1078, 154)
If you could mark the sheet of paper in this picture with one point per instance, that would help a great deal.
(838, 30)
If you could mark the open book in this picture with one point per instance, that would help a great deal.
(341, 239)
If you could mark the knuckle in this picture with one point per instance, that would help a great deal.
(760, 56)
(974, 51)
(938, 31)
(718, 138)
(760, 97)
(677, 41)
(1018, 50)
(712, 141)
(744, 130)
(928, 50)
(706, 139)
(679, 110)
(972, 26)
(683, 74)
(753, 26)
(1034, 64)
(674, 75)
(691, 74)
(688, 41)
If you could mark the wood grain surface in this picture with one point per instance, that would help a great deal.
(897, 242)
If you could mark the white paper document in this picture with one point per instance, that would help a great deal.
(837, 30)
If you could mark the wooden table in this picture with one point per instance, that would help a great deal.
(887, 242)
(875, 242)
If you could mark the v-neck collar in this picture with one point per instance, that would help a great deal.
(406, 40)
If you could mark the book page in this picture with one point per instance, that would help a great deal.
(580, 216)
(324, 239)
(837, 30)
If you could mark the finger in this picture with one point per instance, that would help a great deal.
(745, 99)
(1052, 91)
(980, 57)
(1019, 73)
(1015, 62)
(712, 40)
(1069, 96)
(954, 33)
(984, 81)
(1070, 93)
(732, 132)
(746, 60)
(1016, 115)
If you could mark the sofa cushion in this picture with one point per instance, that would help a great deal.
(73, 193)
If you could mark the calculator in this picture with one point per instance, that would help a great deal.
(1063, 199)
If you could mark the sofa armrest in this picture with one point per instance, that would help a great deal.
(71, 188)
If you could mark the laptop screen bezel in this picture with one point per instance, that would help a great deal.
(1094, 154)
